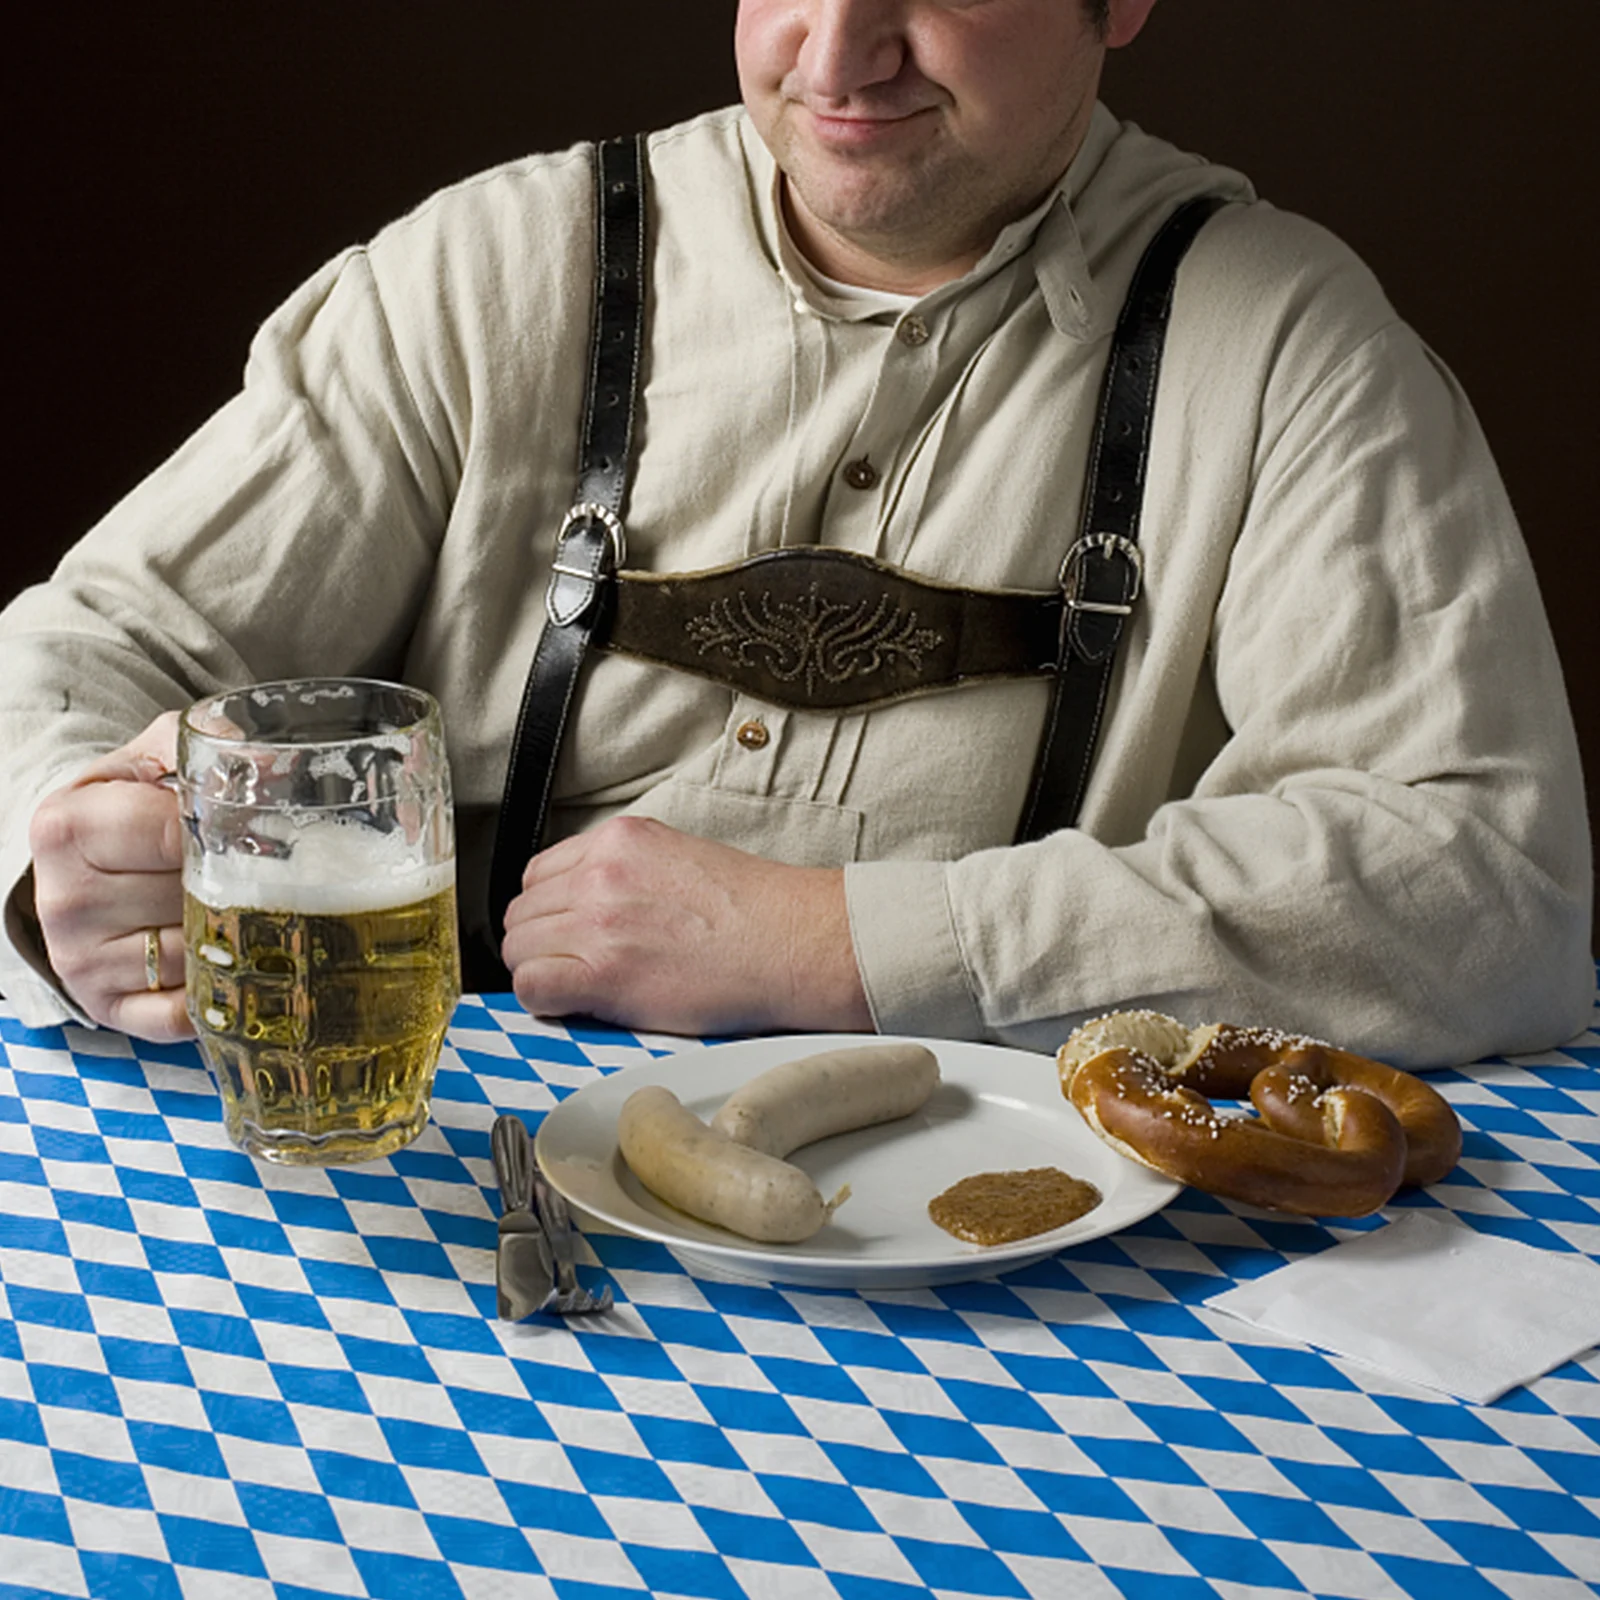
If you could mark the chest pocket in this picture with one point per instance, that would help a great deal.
(799, 833)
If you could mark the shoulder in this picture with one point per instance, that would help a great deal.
(490, 221)
(1273, 311)
(711, 144)
(707, 179)
(1256, 277)
(538, 194)
(530, 220)
(1257, 267)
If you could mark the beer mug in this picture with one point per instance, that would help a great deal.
(319, 916)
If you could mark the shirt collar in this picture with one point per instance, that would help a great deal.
(1060, 263)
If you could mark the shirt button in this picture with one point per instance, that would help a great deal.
(912, 330)
(753, 734)
(861, 474)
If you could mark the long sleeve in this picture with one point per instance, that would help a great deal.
(1388, 847)
(297, 526)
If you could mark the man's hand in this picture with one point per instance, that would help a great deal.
(647, 927)
(107, 865)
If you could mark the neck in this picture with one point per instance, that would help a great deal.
(892, 266)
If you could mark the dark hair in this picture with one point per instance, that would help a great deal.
(1099, 13)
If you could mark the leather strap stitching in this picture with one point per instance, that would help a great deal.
(590, 544)
(1101, 575)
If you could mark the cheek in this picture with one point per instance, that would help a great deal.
(1012, 76)
(766, 40)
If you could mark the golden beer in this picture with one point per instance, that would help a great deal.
(319, 911)
(323, 1027)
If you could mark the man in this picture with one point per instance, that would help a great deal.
(1337, 788)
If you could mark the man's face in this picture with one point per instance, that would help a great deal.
(911, 131)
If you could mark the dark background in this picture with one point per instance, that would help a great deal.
(177, 168)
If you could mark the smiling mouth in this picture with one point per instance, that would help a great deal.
(860, 130)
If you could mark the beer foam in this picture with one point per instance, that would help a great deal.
(333, 869)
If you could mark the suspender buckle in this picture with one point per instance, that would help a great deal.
(581, 563)
(593, 511)
(1105, 546)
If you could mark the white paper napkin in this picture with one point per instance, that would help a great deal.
(1434, 1301)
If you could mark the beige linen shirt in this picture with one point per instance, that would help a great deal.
(1338, 788)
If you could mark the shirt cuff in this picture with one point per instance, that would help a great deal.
(909, 957)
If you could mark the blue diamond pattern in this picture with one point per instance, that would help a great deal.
(182, 1330)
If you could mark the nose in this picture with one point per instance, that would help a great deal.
(851, 45)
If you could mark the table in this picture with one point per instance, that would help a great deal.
(223, 1379)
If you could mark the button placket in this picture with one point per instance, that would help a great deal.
(906, 369)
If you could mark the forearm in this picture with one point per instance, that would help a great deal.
(1386, 919)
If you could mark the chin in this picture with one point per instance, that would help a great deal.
(852, 198)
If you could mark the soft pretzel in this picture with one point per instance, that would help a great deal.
(1336, 1136)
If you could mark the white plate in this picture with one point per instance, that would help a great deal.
(995, 1109)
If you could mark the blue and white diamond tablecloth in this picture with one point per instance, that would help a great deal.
(219, 1379)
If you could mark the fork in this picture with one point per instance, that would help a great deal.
(569, 1297)
(524, 1266)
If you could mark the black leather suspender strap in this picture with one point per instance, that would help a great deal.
(1103, 572)
(590, 544)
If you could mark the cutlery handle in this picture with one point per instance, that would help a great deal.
(513, 1162)
(555, 1216)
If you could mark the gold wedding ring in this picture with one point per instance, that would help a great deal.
(152, 959)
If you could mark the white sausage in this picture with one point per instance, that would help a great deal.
(831, 1092)
(701, 1171)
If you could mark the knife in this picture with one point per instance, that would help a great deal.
(524, 1271)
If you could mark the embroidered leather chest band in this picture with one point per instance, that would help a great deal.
(829, 630)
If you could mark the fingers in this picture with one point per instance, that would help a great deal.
(110, 978)
(551, 946)
(557, 861)
(109, 826)
(581, 925)
(148, 756)
(107, 858)
(111, 981)
(154, 966)
(557, 986)
(161, 1018)
(167, 967)
(556, 965)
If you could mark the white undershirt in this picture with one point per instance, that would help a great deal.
(855, 296)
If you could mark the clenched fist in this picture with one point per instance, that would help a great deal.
(644, 926)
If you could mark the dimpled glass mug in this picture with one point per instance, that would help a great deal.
(319, 915)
